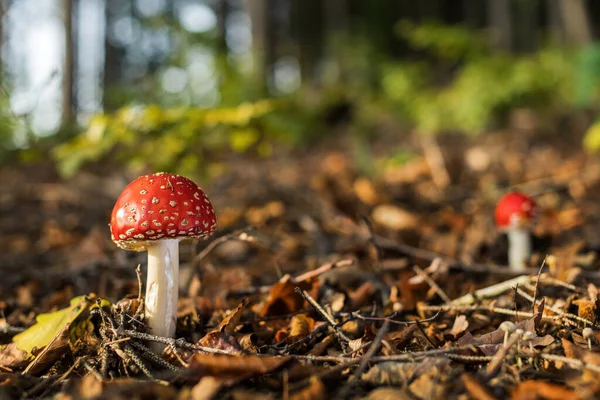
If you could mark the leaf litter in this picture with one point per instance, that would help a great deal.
(323, 284)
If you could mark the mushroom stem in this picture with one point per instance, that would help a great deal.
(519, 248)
(162, 288)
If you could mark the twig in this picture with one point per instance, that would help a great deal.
(391, 319)
(571, 361)
(497, 310)
(238, 234)
(322, 269)
(343, 393)
(180, 343)
(328, 318)
(373, 241)
(432, 283)
(491, 291)
(300, 278)
(537, 281)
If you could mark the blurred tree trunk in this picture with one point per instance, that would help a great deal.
(576, 25)
(222, 11)
(555, 30)
(308, 31)
(336, 15)
(263, 43)
(113, 59)
(68, 80)
(3, 8)
(474, 13)
(527, 25)
(500, 22)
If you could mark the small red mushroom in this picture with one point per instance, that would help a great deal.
(154, 213)
(515, 214)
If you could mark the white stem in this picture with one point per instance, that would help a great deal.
(162, 288)
(519, 248)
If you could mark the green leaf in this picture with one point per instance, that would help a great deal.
(48, 325)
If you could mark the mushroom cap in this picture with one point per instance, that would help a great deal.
(515, 209)
(160, 206)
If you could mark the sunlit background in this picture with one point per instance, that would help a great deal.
(138, 67)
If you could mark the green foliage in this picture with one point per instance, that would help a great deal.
(482, 84)
(165, 139)
(588, 75)
(447, 42)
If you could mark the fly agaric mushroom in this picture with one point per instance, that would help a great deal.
(514, 215)
(154, 213)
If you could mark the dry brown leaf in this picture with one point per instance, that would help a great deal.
(300, 326)
(534, 390)
(315, 391)
(240, 366)
(460, 325)
(229, 323)
(428, 386)
(400, 374)
(206, 389)
(476, 390)
(386, 393)
(321, 347)
(586, 309)
(283, 298)
(402, 337)
(394, 217)
(221, 341)
(12, 357)
(52, 352)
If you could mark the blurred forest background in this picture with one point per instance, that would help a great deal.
(115, 81)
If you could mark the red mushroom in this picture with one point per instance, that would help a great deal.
(514, 214)
(154, 213)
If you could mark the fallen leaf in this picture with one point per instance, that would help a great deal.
(394, 217)
(11, 356)
(387, 393)
(234, 367)
(475, 388)
(300, 326)
(460, 325)
(221, 341)
(48, 325)
(315, 391)
(206, 389)
(283, 298)
(229, 323)
(532, 390)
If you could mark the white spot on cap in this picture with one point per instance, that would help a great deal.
(173, 203)
(155, 200)
(143, 191)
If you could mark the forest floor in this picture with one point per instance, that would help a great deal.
(320, 283)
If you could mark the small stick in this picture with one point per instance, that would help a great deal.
(432, 283)
(379, 250)
(537, 281)
(323, 268)
(181, 343)
(328, 318)
(572, 361)
(391, 319)
(491, 291)
(152, 356)
(343, 393)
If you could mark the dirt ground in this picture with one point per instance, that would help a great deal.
(321, 282)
